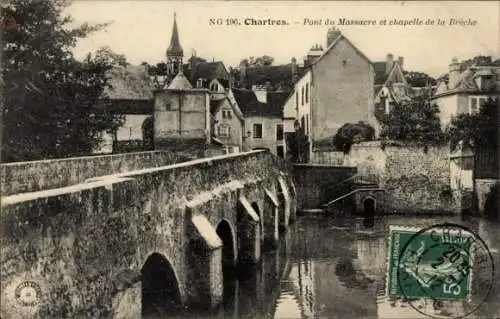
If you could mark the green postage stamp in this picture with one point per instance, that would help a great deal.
(429, 263)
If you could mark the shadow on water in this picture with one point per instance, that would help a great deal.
(328, 268)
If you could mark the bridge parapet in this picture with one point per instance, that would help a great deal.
(86, 244)
(32, 176)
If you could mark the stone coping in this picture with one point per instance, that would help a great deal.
(109, 180)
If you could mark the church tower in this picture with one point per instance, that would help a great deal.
(174, 53)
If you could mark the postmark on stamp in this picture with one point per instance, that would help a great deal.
(439, 263)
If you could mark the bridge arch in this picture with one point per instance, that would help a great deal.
(257, 210)
(226, 233)
(160, 293)
(284, 205)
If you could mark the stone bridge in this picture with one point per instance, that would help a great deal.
(122, 244)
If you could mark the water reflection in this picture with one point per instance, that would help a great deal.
(337, 269)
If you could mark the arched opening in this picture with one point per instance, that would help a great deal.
(228, 263)
(492, 203)
(160, 291)
(369, 212)
(148, 132)
(257, 210)
(282, 212)
(226, 235)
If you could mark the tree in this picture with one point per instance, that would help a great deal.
(350, 133)
(264, 60)
(416, 121)
(478, 130)
(419, 79)
(54, 105)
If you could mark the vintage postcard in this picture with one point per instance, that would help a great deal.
(250, 159)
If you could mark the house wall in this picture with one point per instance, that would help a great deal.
(450, 105)
(295, 108)
(132, 127)
(341, 93)
(236, 136)
(182, 114)
(268, 139)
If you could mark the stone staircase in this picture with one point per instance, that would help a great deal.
(343, 199)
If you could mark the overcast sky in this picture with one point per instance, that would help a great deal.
(141, 30)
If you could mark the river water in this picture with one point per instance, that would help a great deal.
(330, 268)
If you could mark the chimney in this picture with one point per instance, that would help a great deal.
(295, 71)
(260, 92)
(401, 62)
(314, 53)
(331, 35)
(388, 63)
(454, 75)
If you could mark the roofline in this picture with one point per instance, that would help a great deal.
(461, 91)
(183, 90)
(392, 70)
(340, 37)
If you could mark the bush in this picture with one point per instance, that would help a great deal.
(350, 133)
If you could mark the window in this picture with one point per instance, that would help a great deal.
(257, 131)
(281, 151)
(302, 96)
(307, 93)
(307, 124)
(279, 132)
(214, 87)
(224, 131)
(475, 103)
(199, 83)
(227, 114)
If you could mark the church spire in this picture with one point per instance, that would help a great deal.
(175, 49)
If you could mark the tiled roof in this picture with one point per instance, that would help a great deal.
(250, 106)
(276, 74)
(206, 70)
(215, 106)
(180, 82)
(130, 83)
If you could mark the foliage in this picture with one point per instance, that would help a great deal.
(297, 145)
(54, 104)
(159, 68)
(419, 79)
(479, 130)
(416, 121)
(350, 133)
(264, 60)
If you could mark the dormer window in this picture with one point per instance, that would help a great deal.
(199, 83)
(214, 87)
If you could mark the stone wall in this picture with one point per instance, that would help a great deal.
(485, 191)
(327, 157)
(415, 179)
(316, 183)
(33, 176)
(85, 245)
